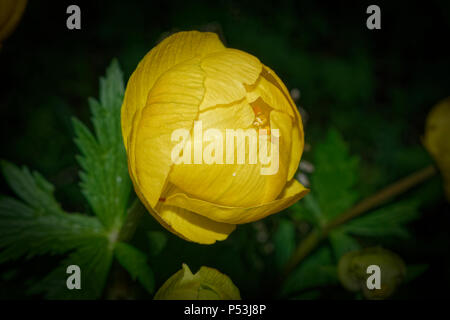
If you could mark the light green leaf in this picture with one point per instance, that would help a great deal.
(335, 175)
(135, 262)
(342, 243)
(104, 178)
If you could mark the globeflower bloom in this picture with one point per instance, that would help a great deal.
(192, 82)
(206, 284)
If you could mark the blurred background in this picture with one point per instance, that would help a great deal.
(374, 87)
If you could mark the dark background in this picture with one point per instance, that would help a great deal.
(375, 86)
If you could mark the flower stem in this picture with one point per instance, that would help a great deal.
(119, 286)
(317, 235)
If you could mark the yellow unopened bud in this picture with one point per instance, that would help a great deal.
(212, 136)
(437, 139)
(353, 271)
(206, 284)
(10, 13)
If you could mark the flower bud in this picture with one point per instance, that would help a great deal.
(10, 13)
(206, 284)
(212, 136)
(437, 139)
(353, 271)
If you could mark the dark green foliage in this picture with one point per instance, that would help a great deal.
(374, 88)
(387, 221)
(284, 241)
(94, 260)
(317, 271)
(37, 225)
(333, 192)
(135, 262)
(335, 176)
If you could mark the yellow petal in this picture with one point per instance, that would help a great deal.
(238, 115)
(298, 139)
(206, 284)
(190, 225)
(227, 72)
(282, 122)
(177, 48)
(292, 192)
(296, 150)
(272, 77)
(154, 213)
(218, 282)
(174, 106)
(233, 184)
(194, 227)
(178, 287)
(271, 95)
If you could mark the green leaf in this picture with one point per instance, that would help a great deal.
(38, 225)
(335, 175)
(284, 241)
(32, 188)
(135, 262)
(104, 176)
(94, 261)
(317, 270)
(157, 240)
(342, 243)
(388, 221)
(308, 209)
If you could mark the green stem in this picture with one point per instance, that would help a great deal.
(134, 215)
(316, 236)
(119, 286)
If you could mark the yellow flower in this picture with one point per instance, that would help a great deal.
(437, 139)
(190, 77)
(10, 13)
(206, 284)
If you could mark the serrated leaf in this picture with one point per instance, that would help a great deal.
(38, 225)
(388, 221)
(32, 188)
(94, 261)
(284, 241)
(335, 176)
(135, 262)
(315, 271)
(308, 209)
(342, 243)
(104, 176)
(24, 232)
